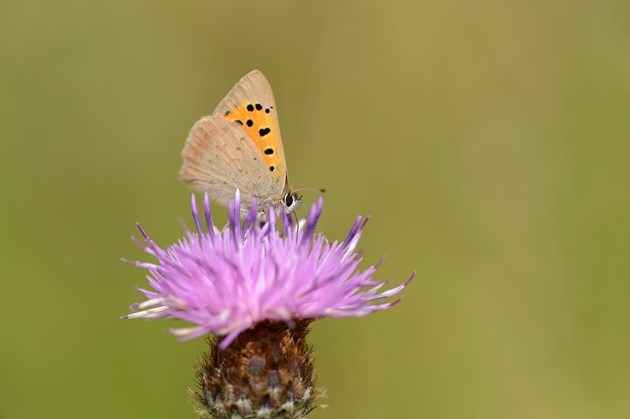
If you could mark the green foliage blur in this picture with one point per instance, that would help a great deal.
(488, 140)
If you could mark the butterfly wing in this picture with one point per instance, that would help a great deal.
(250, 104)
(219, 157)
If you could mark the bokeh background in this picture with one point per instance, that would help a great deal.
(488, 140)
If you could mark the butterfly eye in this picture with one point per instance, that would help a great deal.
(288, 200)
(291, 201)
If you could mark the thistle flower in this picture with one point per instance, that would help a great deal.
(256, 287)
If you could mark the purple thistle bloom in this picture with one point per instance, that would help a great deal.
(227, 281)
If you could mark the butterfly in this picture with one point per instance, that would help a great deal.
(239, 147)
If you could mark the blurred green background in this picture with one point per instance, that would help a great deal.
(488, 140)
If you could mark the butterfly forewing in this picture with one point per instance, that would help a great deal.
(250, 104)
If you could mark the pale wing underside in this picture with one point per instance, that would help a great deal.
(254, 88)
(220, 158)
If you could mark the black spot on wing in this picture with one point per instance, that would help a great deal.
(272, 168)
(238, 121)
(249, 122)
(269, 150)
(250, 107)
(264, 131)
(258, 107)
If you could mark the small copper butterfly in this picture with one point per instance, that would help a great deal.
(239, 147)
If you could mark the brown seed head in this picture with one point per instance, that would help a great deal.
(267, 372)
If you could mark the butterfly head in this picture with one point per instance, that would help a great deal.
(291, 201)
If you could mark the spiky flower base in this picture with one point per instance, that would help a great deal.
(267, 372)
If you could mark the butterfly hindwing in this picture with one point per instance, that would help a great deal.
(219, 157)
(251, 105)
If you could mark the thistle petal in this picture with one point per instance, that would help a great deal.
(227, 281)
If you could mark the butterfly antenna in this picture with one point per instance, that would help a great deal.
(320, 190)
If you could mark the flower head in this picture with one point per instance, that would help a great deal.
(227, 281)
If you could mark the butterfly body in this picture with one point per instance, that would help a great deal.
(239, 146)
